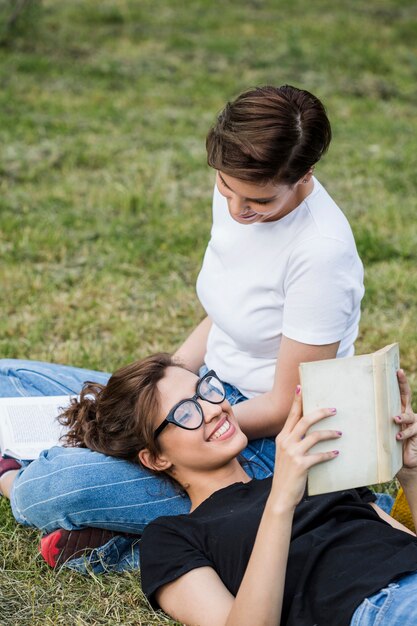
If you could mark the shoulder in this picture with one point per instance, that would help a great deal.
(327, 237)
(164, 528)
(322, 252)
(168, 550)
(326, 217)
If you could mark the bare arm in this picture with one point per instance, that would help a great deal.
(391, 521)
(199, 597)
(264, 415)
(191, 353)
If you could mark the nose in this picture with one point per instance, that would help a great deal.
(236, 205)
(210, 411)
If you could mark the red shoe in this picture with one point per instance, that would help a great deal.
(7, 464)
(62, 545)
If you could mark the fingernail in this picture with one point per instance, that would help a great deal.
(339, 432)
(399, 435)
(333, 410)
(297, 390)
(335, 452)
(399, 418)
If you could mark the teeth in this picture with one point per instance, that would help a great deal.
(223, 429)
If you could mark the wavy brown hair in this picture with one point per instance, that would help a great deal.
(118, 419)
(269, 134)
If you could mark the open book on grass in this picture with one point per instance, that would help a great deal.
(364, 390)
(30, 425)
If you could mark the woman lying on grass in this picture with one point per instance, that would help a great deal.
(261, 551)
(253, 551)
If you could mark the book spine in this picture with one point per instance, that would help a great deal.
(392, 365)
(387, 405)
(382, 417)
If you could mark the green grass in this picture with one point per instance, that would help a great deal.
(105, 194)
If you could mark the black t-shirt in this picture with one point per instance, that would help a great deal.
(340, 553)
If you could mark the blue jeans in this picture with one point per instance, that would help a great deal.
(395, 605)
(74, 487)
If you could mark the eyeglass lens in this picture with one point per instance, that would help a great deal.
(189, 413)
(211, 389)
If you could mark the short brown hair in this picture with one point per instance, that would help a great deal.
(269, 134)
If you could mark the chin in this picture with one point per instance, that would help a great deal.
(241, 442)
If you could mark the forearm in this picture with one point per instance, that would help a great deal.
(262, 416)
(191, 353)
(260, 596)
(265, 415)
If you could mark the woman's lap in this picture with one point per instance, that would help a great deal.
(75, 487)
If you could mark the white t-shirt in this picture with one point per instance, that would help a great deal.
(300, 276)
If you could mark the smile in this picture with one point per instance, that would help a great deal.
(247, 217)
(225, 430)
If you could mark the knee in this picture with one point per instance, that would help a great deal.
(51, 488)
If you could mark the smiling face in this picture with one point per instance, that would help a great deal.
(249, 203)
(212, 446)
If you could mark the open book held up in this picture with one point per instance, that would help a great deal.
(30, 425)
(364, 390)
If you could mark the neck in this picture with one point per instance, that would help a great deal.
(300, 194)
(201, 485)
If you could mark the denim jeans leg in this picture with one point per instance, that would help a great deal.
(395, 605)
(75, 487)
(385, 501)
(36, 378)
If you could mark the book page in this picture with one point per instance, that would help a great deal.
(29, 425)
(347, 385)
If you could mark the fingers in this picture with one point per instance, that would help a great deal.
(295, 413)
(301, 428)
(297, 443)
(407, 433)
(318, 435)
(320, 457)
(405, 418)
(405, 391)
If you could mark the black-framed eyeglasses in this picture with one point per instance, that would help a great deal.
(188, 413)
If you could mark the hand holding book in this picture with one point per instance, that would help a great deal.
(293, 452)
(408, 423)
(365, 391)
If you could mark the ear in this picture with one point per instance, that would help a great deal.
(155, 463)
(307, 176)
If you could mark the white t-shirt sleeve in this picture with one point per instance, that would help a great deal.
(323, 285)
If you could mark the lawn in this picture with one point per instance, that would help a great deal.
(105, 194)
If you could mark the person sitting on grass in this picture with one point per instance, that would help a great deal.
(254, 551)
